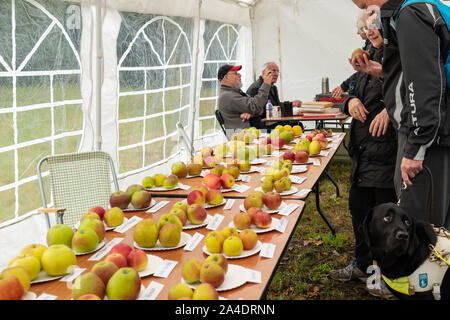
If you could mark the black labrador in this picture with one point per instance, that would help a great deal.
(400, 244)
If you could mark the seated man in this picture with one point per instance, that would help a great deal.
(255, 121)
(234, 104)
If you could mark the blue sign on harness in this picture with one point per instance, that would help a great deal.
(444, 9)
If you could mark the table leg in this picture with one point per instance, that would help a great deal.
(333, 182)
(315, 189)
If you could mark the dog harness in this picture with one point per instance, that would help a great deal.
(429, 275)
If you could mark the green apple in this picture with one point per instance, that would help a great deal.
(58, 260)
(60, 234)
(169, 218)
(35, 249)
(145, 233)
(170, 235)
(125, 284)
(148, 182)
(88, 283)
(84, 240)
(159, 179)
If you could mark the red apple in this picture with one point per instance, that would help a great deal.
(212, 180)
(251, 211)
(301, 156)
(272, 200)
(289, 155)
(278, 143)
(10, 287)
(310, 136)
(98, 210)
(266, 140)
(262, 219)
(121, 248)
(227, 181)
(104, 270)
(196, 196)
(137, 259)
(118, 259)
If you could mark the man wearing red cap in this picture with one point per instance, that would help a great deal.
(235, 105)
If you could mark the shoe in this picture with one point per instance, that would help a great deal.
(381, 291)
(350, 272)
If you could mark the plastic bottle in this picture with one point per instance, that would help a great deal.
(269, 109)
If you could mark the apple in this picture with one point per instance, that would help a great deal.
(244, 165)
(60, 234)
(114, 217)
(301, 156)
(214, 241)
(84, 240)
(98, 210)
(120, 199)
(253, 200)
(203, 189)
(119, 260)
(218, 169)
(262, 220)
(196, 213)
(251, 211)
(205, 291)
(212, 181)
(122, 248)
(145, 233)
(228, 181)
(310, 136)
(170, 182)
(88, 296)
(229, 231)
(196, 196)
(190, 270)
(58, 260)
(141, 199)
(289, 155)
(242, 220)
(89, 215)
(212, 273)
(179, 169)
(272, 200)
(35, 249)
(159, 179)
(314, 147)
(209, 161)
(249, 238)
(180, 213)
(219, 259)
(180, 290)
(278, 143)
(266, 141)
(148, 182)
(169, 218)
(10, 287)
(358, 54)
(29, 262)
(95, 224)
(181, 205)
(137, 259)
(125, 284)
(22, 274)
(194, 169)
(214, 196)
(170, 235)
(233, 246)
(104, 270)
(88, 283)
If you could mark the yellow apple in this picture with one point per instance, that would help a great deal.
(28, 262)
(180, 290)
(58, 260)
(233, 246)
(22, 274)
(35, 249)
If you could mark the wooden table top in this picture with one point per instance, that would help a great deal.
(339, 116)
(248, 290)
(312, 174)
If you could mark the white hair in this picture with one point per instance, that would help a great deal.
(265, 65)
(362, 20)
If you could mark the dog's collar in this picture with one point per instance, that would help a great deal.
(429, 275)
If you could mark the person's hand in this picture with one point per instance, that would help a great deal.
(296, 103)
(379, 124)
(367, 66)
(410, 168)
(267, 76)
(245, 116)
(357, 110)
(336, 92)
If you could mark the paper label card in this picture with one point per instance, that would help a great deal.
(267, 250)
(152, 291)
(194, 241)
(184, 186)
(127, 225)
(303, 193)
(253, 276)
(297, 179)
(165, 269)
(282, 225)
(46, 296)
(72, 276)
(229, 204)
(245, 178)
(158, 206)
(324, 153)
(105, 250)
(288, 209)
(240, 188)
(316, 162)
(215, 222)
(289, 147)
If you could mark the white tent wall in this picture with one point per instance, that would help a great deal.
(314, 40)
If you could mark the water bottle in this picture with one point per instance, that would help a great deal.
(269, 109)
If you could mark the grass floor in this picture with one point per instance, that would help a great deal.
(313, 251)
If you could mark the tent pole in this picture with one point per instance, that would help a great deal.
(98, 84)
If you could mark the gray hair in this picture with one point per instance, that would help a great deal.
(362, 20)
(265, 65)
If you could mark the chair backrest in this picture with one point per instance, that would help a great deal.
(78, 182)
(221, 122)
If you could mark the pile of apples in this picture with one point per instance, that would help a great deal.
(256, 199)
(231, 242)
(277, 176)
(167, 230)
(247, 135)
(299, 156)
(186, 211)
(202, 195)
(134, 194)
(160, 180)
(117, 276)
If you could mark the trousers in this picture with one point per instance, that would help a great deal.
(360, 201)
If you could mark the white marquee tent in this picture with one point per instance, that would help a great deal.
(69, 83)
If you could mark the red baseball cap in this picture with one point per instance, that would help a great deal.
(223, 70)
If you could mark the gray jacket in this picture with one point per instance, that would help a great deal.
(233, 102)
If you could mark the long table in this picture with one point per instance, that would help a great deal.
(339, 118)
(249, 290)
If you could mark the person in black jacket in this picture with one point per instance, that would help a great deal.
(255, 121)
(416, 94)
(372, 148)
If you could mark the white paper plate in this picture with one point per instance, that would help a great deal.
(132, 209)
(154, 262)
(99, 245)
(273, 226)
(244, 254)
(207, 205)
(235, 277)
(292, 190)
(258, 161)
(125, 219)
(265, 209)
(189, 225)
(192, 176)
(304, 163)
(163, 189)
(29, 296)
(159, 247)
(44, 277)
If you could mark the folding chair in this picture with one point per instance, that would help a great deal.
(78, 182)
(221, 122)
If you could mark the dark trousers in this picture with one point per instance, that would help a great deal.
(415, 199)
(360, 201)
